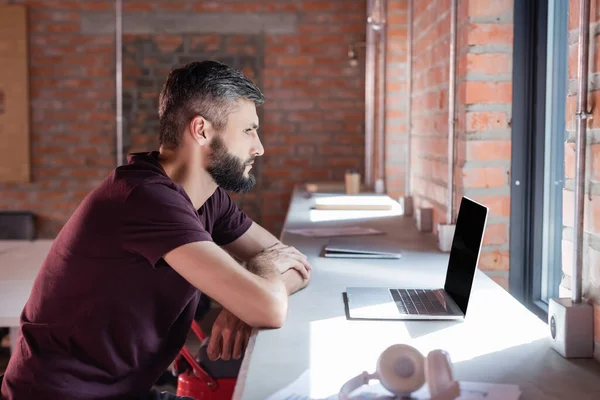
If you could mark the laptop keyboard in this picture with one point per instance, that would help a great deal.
(417, 301)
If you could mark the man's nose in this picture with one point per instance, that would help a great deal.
(258, 149)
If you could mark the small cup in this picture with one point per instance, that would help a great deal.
(352, 182)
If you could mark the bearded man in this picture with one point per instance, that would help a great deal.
(115, 297)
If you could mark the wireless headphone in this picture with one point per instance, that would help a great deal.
(402, 369)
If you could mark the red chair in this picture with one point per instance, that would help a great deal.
(195, 382)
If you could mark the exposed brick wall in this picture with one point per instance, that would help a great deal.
(72, 113)
(314, 120)
(484, 102)
(396, 97)
(429, 133)
(483, 113)
(591, 254)
(312, 124)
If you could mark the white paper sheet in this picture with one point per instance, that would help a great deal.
(339, 231)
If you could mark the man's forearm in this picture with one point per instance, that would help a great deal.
(293, 281)
(264, 271)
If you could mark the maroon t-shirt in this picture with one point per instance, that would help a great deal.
(107, 315)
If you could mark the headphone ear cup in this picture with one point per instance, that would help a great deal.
(438, 372)
(401, 369)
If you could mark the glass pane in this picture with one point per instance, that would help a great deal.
(554, 152)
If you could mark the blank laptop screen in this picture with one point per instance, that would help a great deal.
(464, 254)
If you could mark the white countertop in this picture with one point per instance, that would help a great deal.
(499, 341)
(20, 261)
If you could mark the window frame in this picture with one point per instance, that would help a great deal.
(527, 157)
(556, 92)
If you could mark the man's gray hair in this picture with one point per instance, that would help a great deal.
(207, 88)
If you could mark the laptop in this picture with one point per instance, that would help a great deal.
(448, 303)
(371, 247)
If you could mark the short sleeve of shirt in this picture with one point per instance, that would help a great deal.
(230, 222)
(159, 219)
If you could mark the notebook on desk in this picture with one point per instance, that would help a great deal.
(376, 247)
(447, 303)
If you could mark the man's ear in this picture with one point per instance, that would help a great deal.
(200, 129)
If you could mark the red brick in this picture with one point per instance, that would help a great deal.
(168, 43)
(489, 63)
(486, 120)
(572, 66)
(87, 173)
(397, 19)
(52, 195)
(136, 6)
(397, 39)
(294, 61)
(399, 87)
(488, 92)
(172, 6)
(295, 163)
(570, 159)
(488, 150)
(318, 6)
(485, 177)
(65, 161)
(595, 161)
(295, 105)
(574, 13)
(47, 173)
(488, 34)
(300, 116)
(486, 8)
(281, 49)
(591, 211)
(13, 196)
(61, 65)
(55, 16)
(59, 28)
(495, 234)
(571, 105)
(593, 214)
(595, 120)
(345, 162)
(494, 260)
(397, 5)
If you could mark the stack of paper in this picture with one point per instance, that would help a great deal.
(332, 232)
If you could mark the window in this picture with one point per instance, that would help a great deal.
(554, 150)
(538, 135)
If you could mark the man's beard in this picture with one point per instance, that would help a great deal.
(228, 170)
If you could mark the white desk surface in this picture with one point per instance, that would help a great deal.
(20, 262)
(500, 341)
(9, 244)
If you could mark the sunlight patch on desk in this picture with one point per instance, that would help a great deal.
(335, 339)
(489, 334)
(359, 343)
(469, 343)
